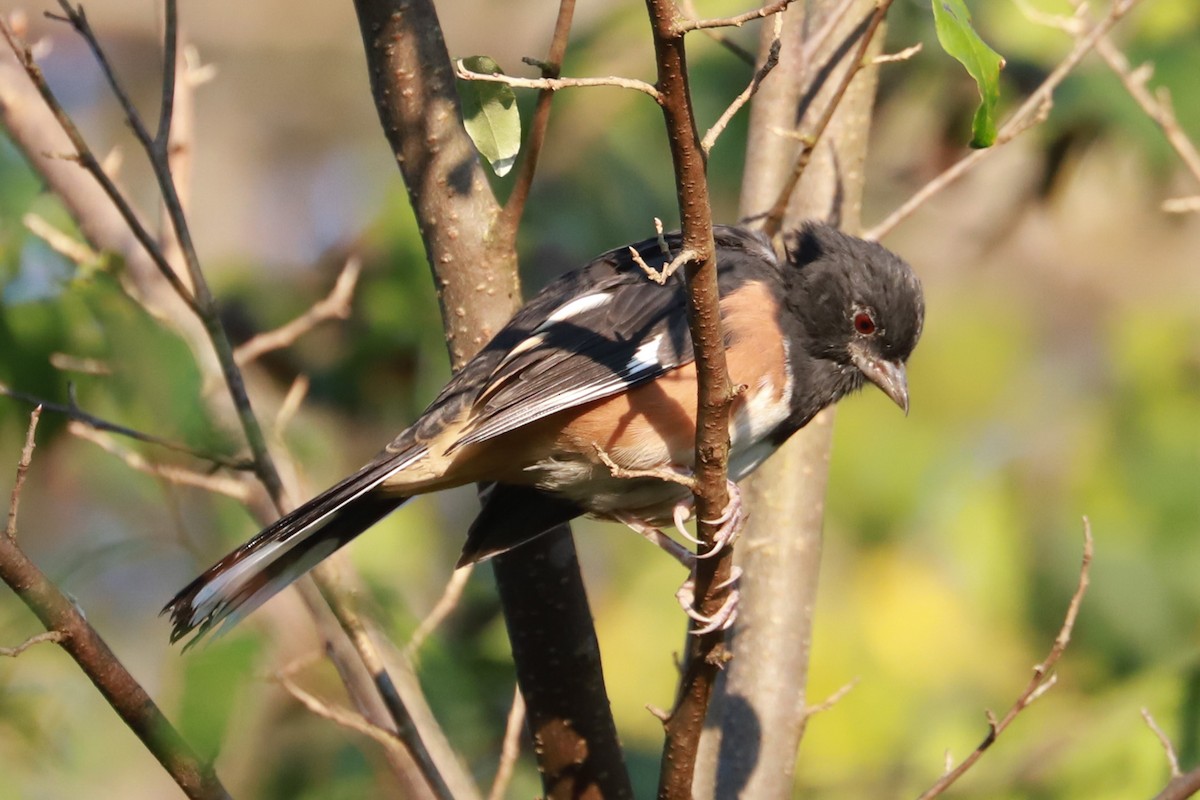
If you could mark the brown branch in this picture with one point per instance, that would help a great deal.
(1030, 113)
(706, 654)
(514, 207)
(1182, 787)
(84, 156)
(1042, 680)
(1165, 741)
(737, 21)
(62, 618)
(217, 484)
(774, 217)
(336, 305)
(511, 748)
(71, 410)
(769, 63)
(451, 595)
(473, 259)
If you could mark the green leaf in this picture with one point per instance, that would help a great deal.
(491, 116)
(959, 39)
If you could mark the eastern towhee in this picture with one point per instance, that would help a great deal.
(598, 365)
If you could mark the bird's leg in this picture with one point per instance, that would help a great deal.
(730, 521)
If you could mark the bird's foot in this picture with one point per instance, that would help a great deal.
(724, 617)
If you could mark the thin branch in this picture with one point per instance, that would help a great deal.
(55, 637)
(832, 700)
(60, 242)
(1165, 741)
(71, 410)
(902, 55)
(65, 622)
(87, 159)
(706, 653)
(217, 484)
(334, 306)
(555, 84)
(14, 503)
(1042, 680)
(774, 217)
(769, 63)
(687, 25)
(511, 749)
(372, 659)
(1182, 205)
(514, 207)
(344, 717)
(451, 595)
(1030, 113)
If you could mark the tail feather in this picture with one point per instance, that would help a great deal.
(262, 567)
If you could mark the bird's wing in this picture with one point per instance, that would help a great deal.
(590, 334)
(621, 331)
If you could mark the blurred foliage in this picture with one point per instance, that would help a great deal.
(1059, 375)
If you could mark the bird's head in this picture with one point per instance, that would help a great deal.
(860, 305)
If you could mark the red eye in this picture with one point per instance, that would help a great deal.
(863, 323)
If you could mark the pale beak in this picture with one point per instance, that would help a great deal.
(887, 375)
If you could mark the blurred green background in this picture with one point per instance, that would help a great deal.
(1059, 375)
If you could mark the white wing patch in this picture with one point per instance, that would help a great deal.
(579, 305)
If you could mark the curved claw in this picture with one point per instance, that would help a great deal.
(683, 510)
(731, 520)
(724, 617)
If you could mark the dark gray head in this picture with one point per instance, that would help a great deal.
(860, 305)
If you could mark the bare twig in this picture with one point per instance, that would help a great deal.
(372, 659)
(1030, 113)
(1165, 741)
(60, 242)
(87, 159)
(832, 700)
(684, 26)
(218, 484)
(68, 627)
(334, 306)
(1042, 680)
(555, 84)
(769, 63)
(46, 636)
(1182, 205)
(774, 217)
(513, 729)
(664, 474)
(902, 55)
(14, 503)
(451, 595)
(514, 207)
(1157, 105)
(344, 717)
(73, 411)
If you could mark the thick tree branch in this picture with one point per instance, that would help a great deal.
(473, 257)
(705, 653)
(68, 627)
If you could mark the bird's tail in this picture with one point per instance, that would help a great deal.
(249, 576)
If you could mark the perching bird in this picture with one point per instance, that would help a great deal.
(600, 364)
